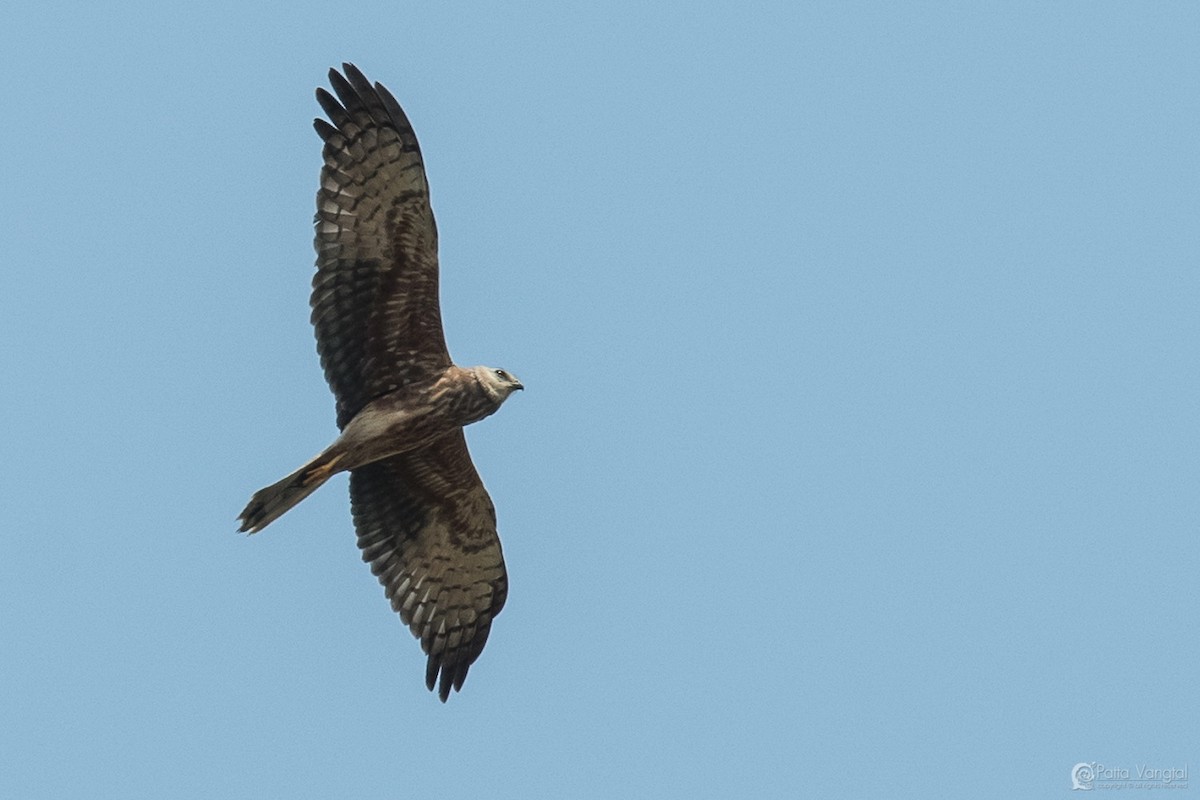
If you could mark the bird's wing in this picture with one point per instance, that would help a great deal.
(375, 293)
(428, 529)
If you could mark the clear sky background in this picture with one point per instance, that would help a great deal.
(859, 456)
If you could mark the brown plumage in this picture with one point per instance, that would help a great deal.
(425, 522)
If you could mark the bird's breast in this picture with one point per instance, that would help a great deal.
(402, 422)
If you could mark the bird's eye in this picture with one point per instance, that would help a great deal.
(501, 374)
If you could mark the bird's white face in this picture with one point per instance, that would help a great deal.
(499, 383)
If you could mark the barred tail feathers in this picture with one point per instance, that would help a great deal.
(272, 502)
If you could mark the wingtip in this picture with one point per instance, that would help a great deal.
(444, 686)
(438, 678)
(349, 73)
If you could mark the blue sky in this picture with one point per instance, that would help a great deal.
(859, 451)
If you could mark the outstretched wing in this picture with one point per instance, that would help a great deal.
(428, 529)
(375, 294)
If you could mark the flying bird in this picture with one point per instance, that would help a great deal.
(425, 523)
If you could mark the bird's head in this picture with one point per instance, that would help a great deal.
(498, 383)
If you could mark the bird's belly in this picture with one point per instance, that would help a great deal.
(377, 434)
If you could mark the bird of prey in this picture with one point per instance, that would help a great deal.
(424, 521)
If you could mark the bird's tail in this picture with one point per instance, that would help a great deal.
(271, 503)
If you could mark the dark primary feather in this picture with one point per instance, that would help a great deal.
(375, 293)
(428, 529)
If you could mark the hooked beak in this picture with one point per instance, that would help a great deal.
(519, 387)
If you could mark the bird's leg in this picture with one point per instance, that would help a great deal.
(320, 473)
